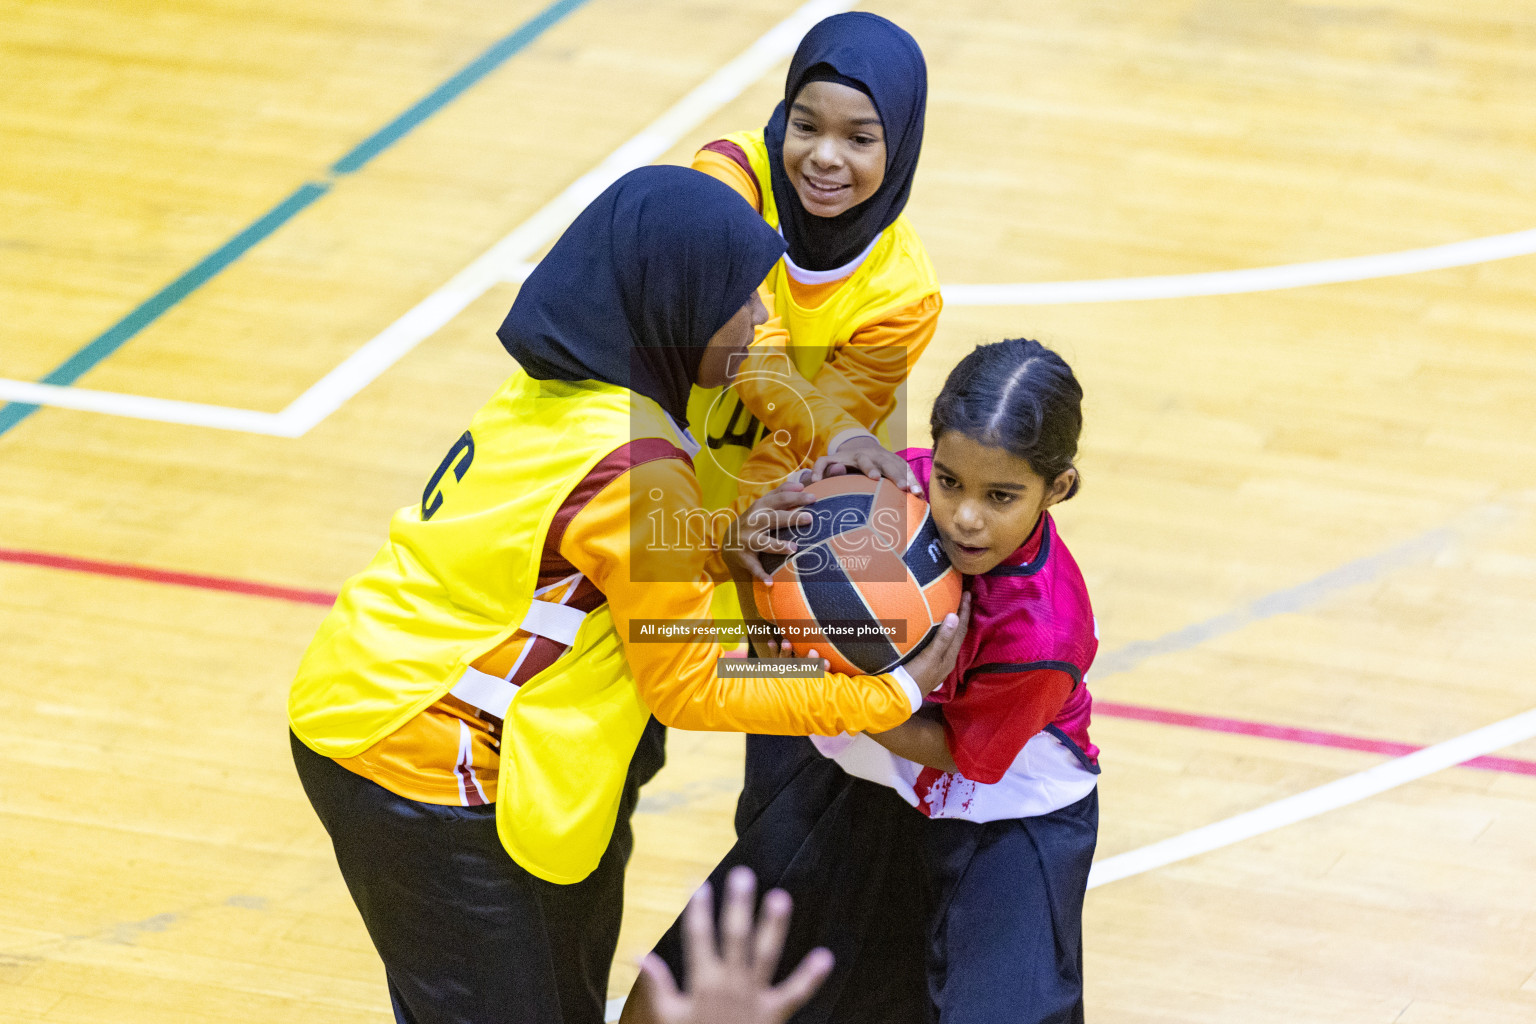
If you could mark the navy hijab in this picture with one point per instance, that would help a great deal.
(633, 290)
(865, 50)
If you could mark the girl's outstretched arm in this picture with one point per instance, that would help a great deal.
(634, 542)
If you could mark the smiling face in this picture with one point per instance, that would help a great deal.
(834, 148)
(720, 360)
(986, 500)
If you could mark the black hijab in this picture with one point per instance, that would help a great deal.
(633, 290)
(864, 50)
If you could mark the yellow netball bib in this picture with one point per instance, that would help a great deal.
(454, 580)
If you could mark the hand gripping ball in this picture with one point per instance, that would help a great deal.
(869, 584)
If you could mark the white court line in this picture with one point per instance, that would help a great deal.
(1255, 279)
(143, 407)
(1327, 797)
(508, 261)
(1292, 809)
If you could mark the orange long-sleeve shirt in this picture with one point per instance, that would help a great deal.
(630, 533)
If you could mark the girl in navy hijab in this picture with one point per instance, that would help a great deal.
(855, 299)
(473, 721)
(826, 227)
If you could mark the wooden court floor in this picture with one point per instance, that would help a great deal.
(1308, 525)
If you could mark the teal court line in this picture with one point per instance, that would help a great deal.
(152, 308)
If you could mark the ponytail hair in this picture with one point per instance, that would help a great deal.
(1016, 395)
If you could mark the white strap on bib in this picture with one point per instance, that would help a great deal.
(559, 622)
(491, 694)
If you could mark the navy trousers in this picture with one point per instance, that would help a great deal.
(466, 935)
(930, 921)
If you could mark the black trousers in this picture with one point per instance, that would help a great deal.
(466, 935)
(930, 921)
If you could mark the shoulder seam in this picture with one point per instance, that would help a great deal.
(1000, 667)
(607, 469)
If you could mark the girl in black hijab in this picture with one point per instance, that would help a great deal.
(855, 299)
(873, 56)
(473, 720)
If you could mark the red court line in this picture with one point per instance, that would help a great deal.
(180, 579)
(1314, 737)
(1110, 709)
